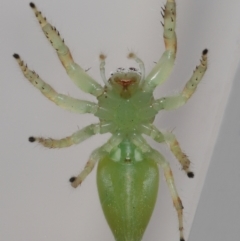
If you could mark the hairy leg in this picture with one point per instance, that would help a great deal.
(174, 102)
(75, 138)
(64, 101)
(74, 71)
(163, 68)
(183, 159)
(170, 139)
(172, 188)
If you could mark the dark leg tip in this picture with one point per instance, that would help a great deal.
(205, 51)
(182, 239)
(190, 174)
(32, 139)
(32, 5)
(16, 56)
(72, 179)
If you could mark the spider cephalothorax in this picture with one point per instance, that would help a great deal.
(127, 175)
(124, 104)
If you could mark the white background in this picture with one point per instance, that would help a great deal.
(37, 202)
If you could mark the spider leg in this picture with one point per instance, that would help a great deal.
(172, 188)
(164, 66)
(174, 102)
(178, 153)
(140, 142)
(74, 71)
(96, 155)
(64, 101)
(170, 139)
(152, 131)
(75, 138)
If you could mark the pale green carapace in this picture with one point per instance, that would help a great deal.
(127, 175)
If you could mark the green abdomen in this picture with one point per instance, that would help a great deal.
(128, 192)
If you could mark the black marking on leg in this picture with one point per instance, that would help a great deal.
(16, 56)
(32, 5)
(205, 51)
(72, 179)
(32, 139)
(190, 174)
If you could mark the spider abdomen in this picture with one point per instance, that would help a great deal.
(128, 191)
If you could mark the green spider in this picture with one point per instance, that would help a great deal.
(128, 173)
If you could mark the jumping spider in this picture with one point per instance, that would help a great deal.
(127, 173)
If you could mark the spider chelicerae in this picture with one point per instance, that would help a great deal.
(126, 108)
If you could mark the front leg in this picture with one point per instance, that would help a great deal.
(163, 68)
(74, 71)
